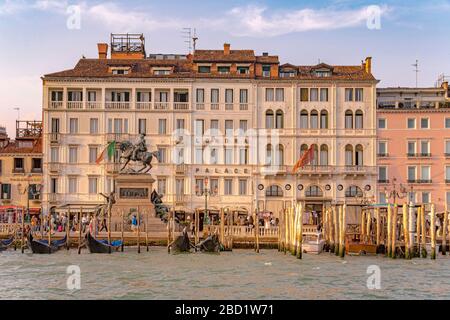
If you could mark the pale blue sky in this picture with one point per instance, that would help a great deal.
(36, 40)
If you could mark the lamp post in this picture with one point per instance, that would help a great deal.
(29, 191)
(206, 191)
(394, 193)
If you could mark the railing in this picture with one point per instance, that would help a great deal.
(54, 166)
(55, 104)
(243, 231)
(355, 169)
(424, 181)
(36, 170)
(117, 137)
(316, 169)
(200, 106)
(161, 105)
(215, 106)
(243, 106)
(55, 137)
(181, 105)
(180, 168)
(54, 197)
(412, 181)
(382, 155)
(74, 104)
(386, 105)
(143, 105)
(18, 170)
(228, 106)
(418, 155)
(383, 180)
(93, 105)
(8, 228)
(117, 105)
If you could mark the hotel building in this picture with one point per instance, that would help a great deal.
(237, 119)
(414, 143)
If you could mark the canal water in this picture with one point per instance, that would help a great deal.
(241, 274)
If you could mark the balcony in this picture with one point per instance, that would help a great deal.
(200, 106)
(54, 197)
(215, 106)
(181, 105)
(228, 106)
(118, 137)
(36, 170)
(382, 155)
(74, 104)
(424, 181)
(180, 169)
(418, 155)
(92, 105)
(144, 105)
(55, 137)
(412, 181)
(316, 170)
(117, 105)
(383, 181)
(54, 167)
(359, 170)
(112, 168)
(55, 104)
(243, 106)
(18, 170)
(386, 105)
(161, 105)
(273, 170)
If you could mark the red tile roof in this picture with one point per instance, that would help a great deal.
(13, 147)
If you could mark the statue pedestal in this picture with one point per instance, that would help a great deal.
(133, 193)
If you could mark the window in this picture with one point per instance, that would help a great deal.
(382, 148)
(447, 147)
(243, 96)
(204, 69)
(313, 191)
(214, 95)
(229, 96)
(359, 94)
(6, 191)
(243, 70)
(424, 148)
(424, 123)
(200, 95)
(425, 173)
(143, 96)
(447, 173)
(382, 197)
(213, 156)
(54, 154)
(324, 119)
(161, 72)
(33, 193)
(242, 187)
(142, 126)
(162, 155)
(411, 148)
(243, 156)
(179, 186)
(198, 155)
(116, 71)
(93, 185)
(348, 94)
(447, 123)
(359, 155)
(314, 119)
(269, 94)
(18, 165)
(199, 186)
(274, 191)
(266, 70)
(54, 185)
(180, 124)
(358, 119)
(411, 123)
(279, 155)
(426, 198)
(55, 125)
(304, 94)
(215, 186)
(324, 94)
(75, 96)
(382, 173)
(228, 127)
(93, 154)
(228, 156)
(228, 187)
(279, 94)
(348, 155)
(411, 173)
(324, 155)
(120, 96)
(223, 69)
(382, 123)
(353, 191)
(162, 183)
(73, 185)
(269, 119)
(348, 119)
(73, 153)
(214, 126)
(447, 197)
(73, 125)
(314, 94)
(279, 119)
(304, 119)
(243, 125)
(269, 154)
(57, 96)
(93, 125)
(162, 126)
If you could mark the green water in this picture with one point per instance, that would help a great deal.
(241, 274)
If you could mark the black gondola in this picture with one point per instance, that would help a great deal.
(4, 244)
(101, 246)
(210, 244)
(42, 246)
(181, 243)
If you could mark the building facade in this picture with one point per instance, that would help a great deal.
(414, 144)
(227, 121)
(21, 173)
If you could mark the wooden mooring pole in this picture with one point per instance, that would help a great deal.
(146, 230)
(22, 242)
(394, 231)
(389, 231)
(418, 229)
(444, 231)
(433, 231)
(378, 224)
(336, 230)
(300, 231)
(423, 245)
(122, 230)
(342, 217)
(68, 229)
(406, 231)
(80, 227)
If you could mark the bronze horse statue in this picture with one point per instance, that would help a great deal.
(143, 157)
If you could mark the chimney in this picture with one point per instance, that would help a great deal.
(226, 49)
(102, 50)
(265, 54)
(368, 64)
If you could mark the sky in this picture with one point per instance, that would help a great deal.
(44, 36)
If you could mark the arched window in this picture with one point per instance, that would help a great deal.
(353, 191)
(274, 191)
(269, 154)
(280, 155)
(315, 160)
(358, 119)
(279, 119)
(304, 119)
(324, 155)
(349, 155)
(313, 191)
(324, 119)
(303, 149)
(314, 119)
(348, 119)
(359, 155)
(269, 119)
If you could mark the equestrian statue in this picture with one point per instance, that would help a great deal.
(137, 153)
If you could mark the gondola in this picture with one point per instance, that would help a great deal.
(210, 244)
(4, 244)
(42, 247)
(181, 244)
(101, 246)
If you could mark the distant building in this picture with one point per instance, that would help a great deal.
(414, 143)
(21, 168)
(248, 120)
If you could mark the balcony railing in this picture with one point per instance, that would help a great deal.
(144, 105)
(228, 106)
(54, 167)
(18, 170)
(161, 105)
(181, 105)
(383, 180)
(119, 137)
(117, 105)
(424, 181)
(180, 168)
(243, 106)
(200, 106)
(215, 106)
(93, 105)
(382, 155)
(315, 169)
(55, 137)
(36, 170)
(355, 168)
(55, 104)
(54, 197)
(412, 181)
(74, 104)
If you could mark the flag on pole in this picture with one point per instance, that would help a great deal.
(306, 158)
(110, 148)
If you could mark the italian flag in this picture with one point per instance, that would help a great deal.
(109, 149)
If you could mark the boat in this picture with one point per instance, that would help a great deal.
(313, 242)
(210, 244)
(181, 243)
(42, 247)
(101, 246)
(355, 247)
(4, 244)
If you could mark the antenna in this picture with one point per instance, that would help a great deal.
(416, 65)
(18, 113)
(195, 38)
(187, 35)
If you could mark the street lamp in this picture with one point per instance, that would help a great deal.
(206, 191)
(394, 194)
(29, 191)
